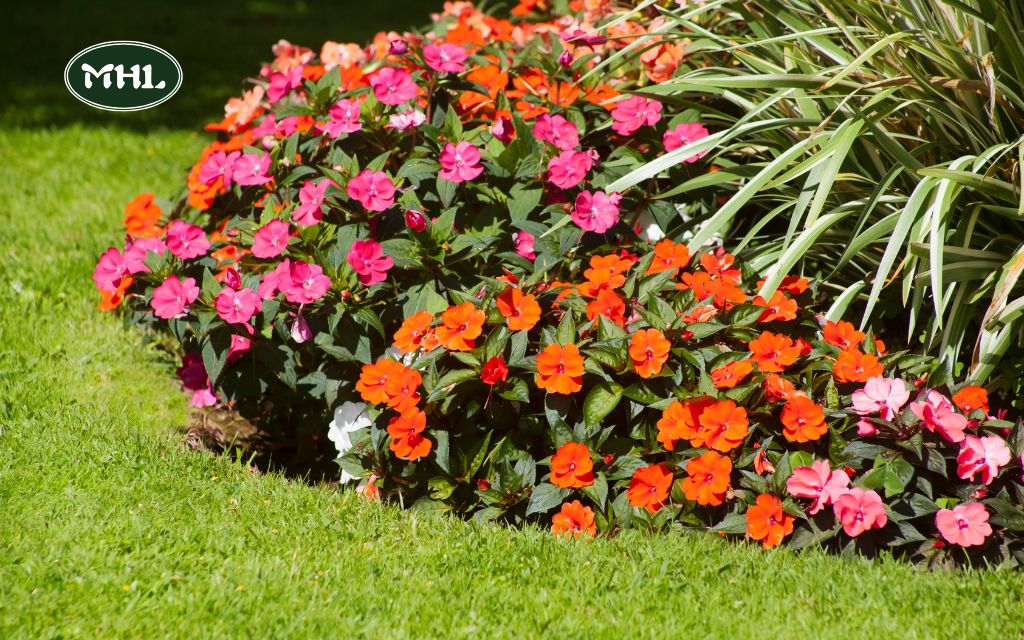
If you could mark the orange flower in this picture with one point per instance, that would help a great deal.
(708, 479)
(767, 522)
(141, 217)
(649, 487)
(728, 376)
(803, 420)
(680, 420)
(773, 352)
(780, 308)
(571, 466)
(410, 336)
(608, 304)
(406, 431)
(842, 334)
(605, 272)
(879, 347)
(793, 285)
(574, 519)
(110, 300)
(669, 256)
(649, 350)
(461, 325)
(402, 387)
(520, 311)
(778, 388)
(721, 267)
(971, 398)
(374, 377)
(723, 426)
(560, 369)
(855, 366)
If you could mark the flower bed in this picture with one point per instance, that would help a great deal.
(551, 356)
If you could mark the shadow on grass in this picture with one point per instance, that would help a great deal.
(218, 44)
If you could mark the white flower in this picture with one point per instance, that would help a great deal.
(395, 354)
(649, 229)
(348, 418)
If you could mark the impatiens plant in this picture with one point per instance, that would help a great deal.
(422, 238)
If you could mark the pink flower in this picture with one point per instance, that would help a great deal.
(138, 250)
(460, 162)
(311, 203)
(300, 330)
(282, 83)
(398, 47)
(557, 131)
(203, 398)
(237, 307)
(415, 220)
(965, 524)
(866, 428)
(271, 240)
(406, 120)
(393, 86)
(859, 511)
(569, 168)
(219, 165)
(634, 112)
(819, 483)
(344, 119)
(445, 58)
(272, 280)
(303, 283)
(597, 212)
(682, 135)
(193, 378)
(172, 297)
(524, 244)
(186, 241)
(368, 260)
(987, 455)
(109, 270)
(373, 189)
(239, 345)
(503, 129)
(885, 396)
(936, 413)
(251, 169)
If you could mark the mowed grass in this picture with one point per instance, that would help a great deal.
(110, 528)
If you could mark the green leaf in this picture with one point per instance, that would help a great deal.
(545, 497)
(566, 330)
(601, 401)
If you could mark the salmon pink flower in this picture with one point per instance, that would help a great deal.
(445, 58)
(172, 297)
(937, 414)
(237, 307)
(311, 203)
(271, 239)
(630, 114)
(557, 131)
(393, 86)
(985, 455)
(344, 119)
(859, 511)
(965, 524)
(109, 270)
(597, 212)
(186, 241)
(221, 165)
(574, 519)
(406, 120)
(572, 467)
(368, 260)
(460, 162)
(767, 522)
(819, 483)
(303, 283)
(884, 396)
(649, 487)
(494, 371)
(373, 189)
(415, 220)
(569, 168)
(684, 134)
(251, 169)
(524, 244)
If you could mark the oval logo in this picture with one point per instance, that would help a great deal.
(123, 75)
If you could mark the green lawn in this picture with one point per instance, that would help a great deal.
(110, 528)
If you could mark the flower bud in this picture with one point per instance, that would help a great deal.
(415, 220)
(398, 47)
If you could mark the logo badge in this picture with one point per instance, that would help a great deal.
(123, 75)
